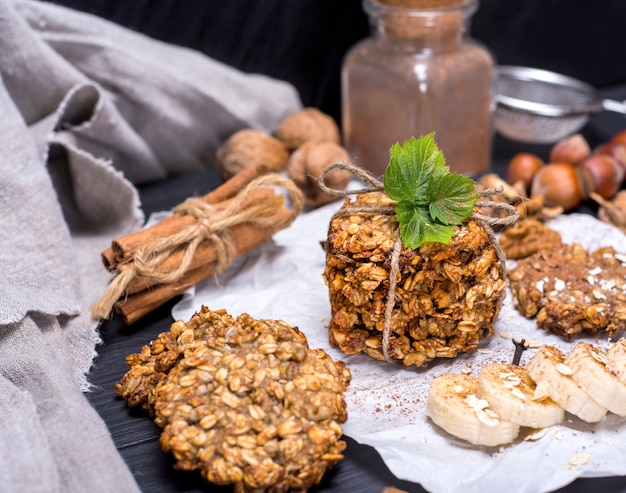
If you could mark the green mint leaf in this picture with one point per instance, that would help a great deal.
(411, 167)
(417, 226)
(431, 201)
(451, 198)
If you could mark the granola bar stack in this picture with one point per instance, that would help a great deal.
(447, 296)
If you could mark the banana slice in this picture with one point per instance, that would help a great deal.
(592, 373)
(454, 406)
(515, 397)
(547, 369)
(616, 355)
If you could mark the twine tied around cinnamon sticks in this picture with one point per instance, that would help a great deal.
(203, 236)
(375, 185)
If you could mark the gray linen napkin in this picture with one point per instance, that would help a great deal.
(88, 110)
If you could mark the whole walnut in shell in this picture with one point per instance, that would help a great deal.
(249, 147)
(307, 163)
(307, 124)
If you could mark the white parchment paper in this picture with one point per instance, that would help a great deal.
(282, 279)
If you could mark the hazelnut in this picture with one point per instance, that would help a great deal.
(616, 150)
(522, 167)
(619, 137)
(562, 185)
(307, 163)
(606, 172)
(570, 150)
(307, 124)
(250, 147)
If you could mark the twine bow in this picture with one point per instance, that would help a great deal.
(212, 224)
(375, 185)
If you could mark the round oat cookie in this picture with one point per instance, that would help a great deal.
(570, 290)
(150, 366)
(252, 405)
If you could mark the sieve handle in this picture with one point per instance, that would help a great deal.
(616, 106)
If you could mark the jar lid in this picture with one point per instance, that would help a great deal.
(424, 4)
(418, 18)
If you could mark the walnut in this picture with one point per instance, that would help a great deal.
(533, 206)
(249, 147)
(536, 208)
(527, 237)
(612, 211)
(306, 164)
(307, 124)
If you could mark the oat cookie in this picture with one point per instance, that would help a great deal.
(250, 404)
(150, 366)
(570, 290)
(447, 296)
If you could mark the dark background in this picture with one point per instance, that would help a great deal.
(304, 41)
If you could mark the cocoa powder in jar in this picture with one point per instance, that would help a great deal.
(418, 73)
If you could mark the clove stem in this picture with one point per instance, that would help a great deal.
(520, 347)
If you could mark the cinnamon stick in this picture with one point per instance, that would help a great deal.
(162, 267)
(122, 247)
(245, 236)
(136, 305)
(108, 259)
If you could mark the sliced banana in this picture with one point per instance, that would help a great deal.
(547, 368)
(516, 398)
(616, 355)
(454, 406)
(591, 371)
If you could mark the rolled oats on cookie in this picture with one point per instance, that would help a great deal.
(247, 402)
(570, 290)
(150, 366)
(447, 296)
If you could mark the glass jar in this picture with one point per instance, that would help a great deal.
(419, 72)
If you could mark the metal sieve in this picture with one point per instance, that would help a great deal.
(541, 107)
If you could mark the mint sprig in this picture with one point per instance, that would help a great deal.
(431, 201)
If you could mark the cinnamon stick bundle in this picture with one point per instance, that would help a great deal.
(200, 239)
(121, 249)
(245, 236)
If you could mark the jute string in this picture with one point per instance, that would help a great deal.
(212, 225)
(375, 185)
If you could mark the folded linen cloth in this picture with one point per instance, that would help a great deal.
(89, 110)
